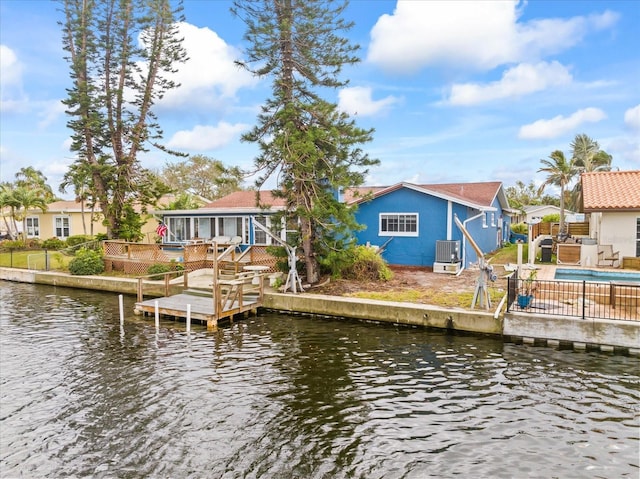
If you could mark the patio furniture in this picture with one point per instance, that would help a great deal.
(608, 257)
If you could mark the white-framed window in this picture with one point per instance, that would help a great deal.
(62, 227)
(493, 219)
(398, 224)
(484, 220)
(33, 227)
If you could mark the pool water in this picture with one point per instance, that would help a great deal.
(594, 275)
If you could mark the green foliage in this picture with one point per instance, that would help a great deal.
(86, 262)
(78, 239)
(131, 224)
(201, 176)
(13, 244)
(313, 147)
(105, 44)
(520, 228)
(158, 269)
(361, 263)
(551, 218)
(282, 257)
(53, 243)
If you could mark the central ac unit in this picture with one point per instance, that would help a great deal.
(447, 251)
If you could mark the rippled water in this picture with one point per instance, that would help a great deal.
(276, 396)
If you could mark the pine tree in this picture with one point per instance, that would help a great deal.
(303, 138)
(115, 84)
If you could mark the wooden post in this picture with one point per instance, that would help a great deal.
(140, 290)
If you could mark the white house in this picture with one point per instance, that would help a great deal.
(612, 199)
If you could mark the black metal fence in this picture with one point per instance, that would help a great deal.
(583, 299)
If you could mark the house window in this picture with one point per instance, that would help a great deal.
(179, 229)
(398, 224)
(233, 226)
(33, 227)
(260, 236)
(493, 219)
(484, 220)
(61, 227)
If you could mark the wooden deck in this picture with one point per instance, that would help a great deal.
(210, 305)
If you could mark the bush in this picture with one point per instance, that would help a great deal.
(157, 269)
(13, 244)
(552, 218)
(86, 262)
(361, 263)
(77, 240)
(53, 243)
(520, 228)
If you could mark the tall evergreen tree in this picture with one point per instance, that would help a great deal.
(304, 139)
(116, 81)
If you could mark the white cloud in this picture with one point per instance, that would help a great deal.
(471, 35)
(12, 97)
(209, 75)
(517, 81)
(358, 101)
(50, 112)
(560, 125)
(203, 138)
(632, 118)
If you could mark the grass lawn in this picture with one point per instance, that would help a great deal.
(35, 259)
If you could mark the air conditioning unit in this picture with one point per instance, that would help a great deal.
(447, 257)
(447, 251)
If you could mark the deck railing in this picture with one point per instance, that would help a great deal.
(583, 299)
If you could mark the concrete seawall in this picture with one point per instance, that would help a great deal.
(548, 330)
(386, 311)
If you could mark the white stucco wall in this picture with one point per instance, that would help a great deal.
(618, 229)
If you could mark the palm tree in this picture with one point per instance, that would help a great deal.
(8, 206)
(25, 199)
(29, 177)
(560, 172)
(587, 157)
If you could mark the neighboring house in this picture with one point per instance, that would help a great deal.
(232, 215)
(409, 219)
(63, 219)
(612, 199)
(534, 213)
(68, 218)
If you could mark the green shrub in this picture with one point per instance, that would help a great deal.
(157, 269)
(78, 239)
(520, 228)
(552, 218)
(53, 243)
(13, 244)
(86, 262)
(361, 263)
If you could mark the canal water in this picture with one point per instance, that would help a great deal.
(278, 396)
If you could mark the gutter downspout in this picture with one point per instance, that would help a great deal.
(464, 241)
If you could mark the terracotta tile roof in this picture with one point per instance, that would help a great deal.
(246, 199)
(611, 190)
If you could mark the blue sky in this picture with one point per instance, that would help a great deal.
(456, 91)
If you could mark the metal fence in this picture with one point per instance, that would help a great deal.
(583, 299)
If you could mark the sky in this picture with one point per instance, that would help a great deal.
(456, 91)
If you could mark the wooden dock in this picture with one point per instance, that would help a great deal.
(223, 301)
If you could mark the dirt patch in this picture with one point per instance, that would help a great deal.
(430, 287)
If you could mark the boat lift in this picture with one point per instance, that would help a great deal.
(293, 278)
(481, 293)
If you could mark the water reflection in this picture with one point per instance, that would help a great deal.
(280, 396)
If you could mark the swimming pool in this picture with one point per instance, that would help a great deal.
(594, 275)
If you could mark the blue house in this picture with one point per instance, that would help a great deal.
(415, 224)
